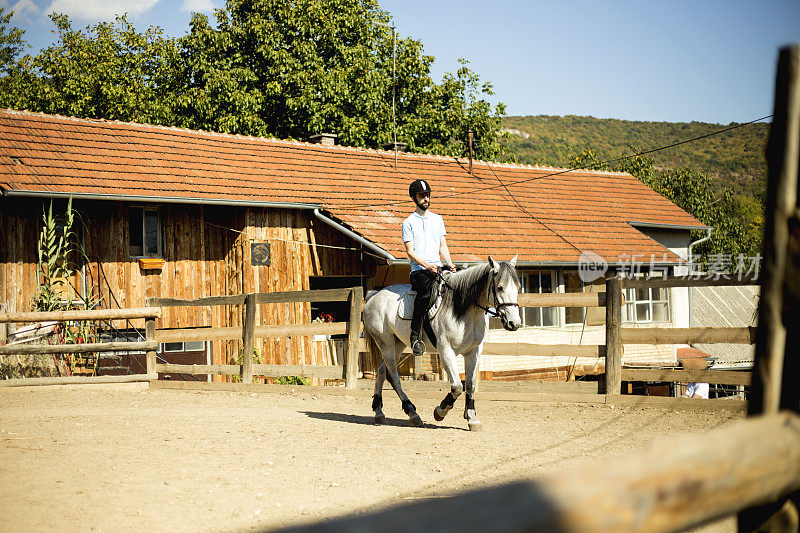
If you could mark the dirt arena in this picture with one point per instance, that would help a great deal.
(122, 457)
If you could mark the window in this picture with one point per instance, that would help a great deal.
(573, 283)
(145, 232)
(194, 346)
(535, 281)
(646, 305)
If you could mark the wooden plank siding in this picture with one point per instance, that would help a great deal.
(207, 253)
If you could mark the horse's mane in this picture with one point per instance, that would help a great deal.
(469, 285)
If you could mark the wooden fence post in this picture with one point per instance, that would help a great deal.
(613, 336)
(150, 336)
(353, 331)
(248, 336)
(778, 340)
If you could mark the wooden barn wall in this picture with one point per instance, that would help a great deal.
(207, 253)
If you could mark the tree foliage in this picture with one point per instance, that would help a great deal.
(737, 220)
(284, 68)
(733, 159)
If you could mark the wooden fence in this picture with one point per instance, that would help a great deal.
(249, 331)
(616, 336)
(98, 314)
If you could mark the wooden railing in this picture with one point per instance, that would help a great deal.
(249, 332)
(97, 314)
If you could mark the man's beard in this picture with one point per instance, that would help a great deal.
(422, 205)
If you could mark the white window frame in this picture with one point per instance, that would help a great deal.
(630, 310)
(525, 277)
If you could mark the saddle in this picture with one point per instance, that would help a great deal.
(406, 308)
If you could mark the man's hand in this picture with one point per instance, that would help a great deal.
(432, 268)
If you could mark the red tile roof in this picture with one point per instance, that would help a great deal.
(551, 218)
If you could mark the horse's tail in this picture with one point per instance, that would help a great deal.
(374, 355)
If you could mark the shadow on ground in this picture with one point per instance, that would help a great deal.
(369, 421)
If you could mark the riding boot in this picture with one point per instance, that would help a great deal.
(420, 308)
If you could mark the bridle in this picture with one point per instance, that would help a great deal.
(497, 304)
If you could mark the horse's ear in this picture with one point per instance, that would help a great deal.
(513, 261)
(494, 264)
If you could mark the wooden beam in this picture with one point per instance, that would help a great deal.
(38, 349)
(685, 376)
(237, 299)
(353, 332)
(321, 295)
(777, 361)
(248, 337)
(225, 370)
(82, 314)
(780, 295)
(529, 349)
(77, 380)
(673, 486)
(742, 335)
(312, 371)
(150, 336)
(261, 332)
(613, 380)
(666, 283)
(558, 299)
(669, 402)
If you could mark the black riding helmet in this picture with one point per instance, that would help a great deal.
(418, 186)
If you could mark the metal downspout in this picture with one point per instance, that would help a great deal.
(691, 245)
(380, 251)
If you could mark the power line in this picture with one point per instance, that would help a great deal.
(559, 172)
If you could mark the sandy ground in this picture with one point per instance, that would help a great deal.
(119, 458)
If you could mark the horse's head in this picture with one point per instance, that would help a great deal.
(504, 287)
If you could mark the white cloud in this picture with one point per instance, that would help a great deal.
(24, 10)
(96, 10)
(201, 6)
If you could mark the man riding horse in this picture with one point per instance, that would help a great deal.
(424, 239)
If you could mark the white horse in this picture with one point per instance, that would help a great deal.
(459, 326)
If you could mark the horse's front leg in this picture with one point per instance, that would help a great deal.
(448, 358)
(471, 384)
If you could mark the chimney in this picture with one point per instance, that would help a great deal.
(323, 138)
(394, 145)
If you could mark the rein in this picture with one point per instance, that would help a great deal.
(497, 305)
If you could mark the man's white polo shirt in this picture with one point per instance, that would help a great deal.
(426, 235)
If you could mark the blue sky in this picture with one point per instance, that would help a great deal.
(675, 61)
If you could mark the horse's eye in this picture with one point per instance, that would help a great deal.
(500, 288)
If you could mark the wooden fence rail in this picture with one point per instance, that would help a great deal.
(64, 316)
(250, 331)
(667, 488)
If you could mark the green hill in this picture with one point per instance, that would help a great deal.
(733, 159)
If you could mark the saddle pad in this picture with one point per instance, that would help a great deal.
(405, 309)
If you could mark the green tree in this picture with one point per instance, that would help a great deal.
(11, 42)
(14, 83)
(295, 68)
(736, 228)
(109, 71)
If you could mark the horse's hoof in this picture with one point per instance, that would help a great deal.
(415, 420)
(378, 420)
(475, 426)
(438, 414)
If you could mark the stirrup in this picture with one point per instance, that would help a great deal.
(418, 348)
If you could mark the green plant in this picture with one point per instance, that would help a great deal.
(58, 251)
(256, 361)
(293, 380)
